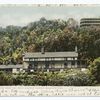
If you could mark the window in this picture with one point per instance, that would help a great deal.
(40, 59)
(69, 58)
(47, 64)
(35, 59)
(52, 64)
(18, 69)
(46, 59)
(65, 64)
(30, 59)
(73, 62)
(65, 59)
(35, 64)
(26, 59)
(30, 66)
(78, 62)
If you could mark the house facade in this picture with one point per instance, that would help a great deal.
(12, 68)
(46, 61)
(50, 60)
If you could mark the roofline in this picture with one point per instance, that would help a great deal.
(52, 52)
(11, 66)
(76, 54)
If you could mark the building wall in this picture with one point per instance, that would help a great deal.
(6, 70)
(41, 65)
(59, 65)
(51, 64)
(89, 22)
(25, 64)
(14, 71)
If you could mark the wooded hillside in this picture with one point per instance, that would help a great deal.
(54, 35)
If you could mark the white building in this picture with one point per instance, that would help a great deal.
(50, 60)
(46, 61)
(85, 22)
(11, 68)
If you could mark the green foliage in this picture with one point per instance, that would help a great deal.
(54, 79)
(55, 35)
(5, 79)
(80, 79)
(95, 69)
(74, 77)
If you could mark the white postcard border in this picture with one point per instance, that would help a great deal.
(49, 91)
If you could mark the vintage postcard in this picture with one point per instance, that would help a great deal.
(49, 50)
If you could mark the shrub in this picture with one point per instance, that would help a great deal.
(71, 78)
(6, 79)
(95, 70)
(77, 79)
(30, 79)
(55, 80)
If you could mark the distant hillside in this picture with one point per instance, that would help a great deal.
(54, 35)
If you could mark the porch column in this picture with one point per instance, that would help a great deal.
(61, 70)
(75, 63)
(47, 70)
(69, 64)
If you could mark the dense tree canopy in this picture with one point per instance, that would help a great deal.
(55, 35)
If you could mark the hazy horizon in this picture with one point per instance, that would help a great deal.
(24, 14)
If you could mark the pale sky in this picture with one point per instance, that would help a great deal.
(23, 14)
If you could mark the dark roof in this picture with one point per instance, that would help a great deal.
(50, 54)
(10, 66)
(90, 19)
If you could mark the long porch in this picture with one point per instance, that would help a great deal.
(56, 65)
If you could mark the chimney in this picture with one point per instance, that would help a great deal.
(42, 50)
(76, 49)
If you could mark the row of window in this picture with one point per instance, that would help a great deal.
(52, 64)
(89, 22)
(84, 19)
(49, 59)
(89, 25)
